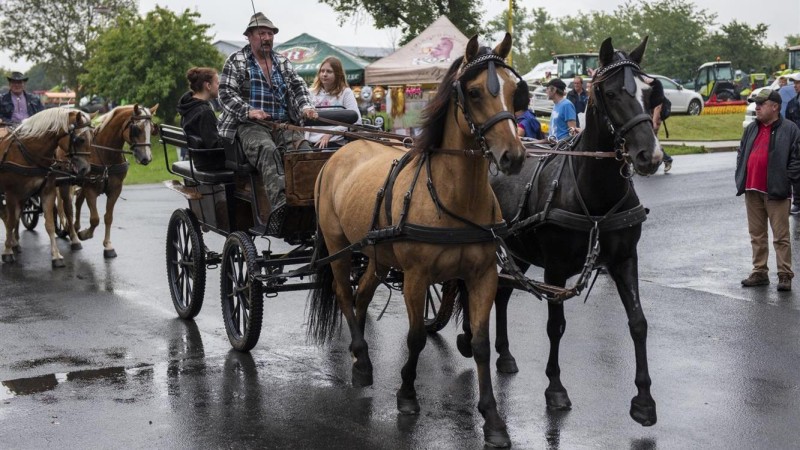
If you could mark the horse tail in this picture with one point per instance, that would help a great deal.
(322, 309)
(462, 301)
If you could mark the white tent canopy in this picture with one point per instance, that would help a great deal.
(540, 71)
(424, 60)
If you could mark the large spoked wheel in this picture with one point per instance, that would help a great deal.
(30, 212)
(439, 305)
(241, 293)
(186, 263)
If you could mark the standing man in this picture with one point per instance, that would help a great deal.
(17, 104)
(767, 165)
(258, 83)
(563, 118)
(786, 91)
(793, 114)
(578, 97)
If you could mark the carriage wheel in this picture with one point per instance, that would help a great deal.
(439, 305)
(30, 212)
(241, 293)
(186, 263)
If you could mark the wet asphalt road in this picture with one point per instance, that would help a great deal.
(92, 356)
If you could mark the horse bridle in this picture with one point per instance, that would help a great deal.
(631, 69)
(133, 131)
(493, 85)
(73, 140)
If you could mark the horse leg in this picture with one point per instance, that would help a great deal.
(359, 350)
(94, 217)
(362, 367)
(48, 204)
(415, 288)
(481, 290)
(108, 217)
(11, 220)
(505, 360)
(555, 395)
(78, 194)
(626, 275)
(464, 340)
(66, 212)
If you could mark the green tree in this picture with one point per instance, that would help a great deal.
(411, 16)
(522, 34)
(57, 32)
(145, 59)
(42, 78)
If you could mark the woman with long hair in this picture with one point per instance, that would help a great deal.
(330, 88)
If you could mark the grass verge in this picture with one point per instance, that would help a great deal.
(156, 171)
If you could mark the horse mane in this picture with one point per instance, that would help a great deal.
(43, 123)
(435, 112)
(106, 118)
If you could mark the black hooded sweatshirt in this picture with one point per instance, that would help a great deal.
(198, 121)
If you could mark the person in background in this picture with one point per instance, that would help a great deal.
(657, 100)
(578, 97)
(258, 83)
(330, 88)
(197, 115)
(563, 118)
(786, 92)
(793, 114)
(17, 105)
(527, 124)
(767, 165)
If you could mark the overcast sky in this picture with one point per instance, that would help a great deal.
(229, 18)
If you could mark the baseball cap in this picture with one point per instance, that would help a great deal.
(795, 76)
(557, 83)
(767, 94)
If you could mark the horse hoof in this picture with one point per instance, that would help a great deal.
(362, 378)
(108, 254)
(407, 406)
(507, 365)
(58, 263)
(643, 412)
(9, 258)
(557, 400)
(496, 438)
(83, 236)
(17, 249)
(464, 346)
(76, 246)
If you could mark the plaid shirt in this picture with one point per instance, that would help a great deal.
(266, 96)
(236, 74)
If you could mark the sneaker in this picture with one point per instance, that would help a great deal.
(784, 283)
(667, 166)
(756, 279)
(795, 210)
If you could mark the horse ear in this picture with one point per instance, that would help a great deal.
(153, 109)
(135, 109)
(94, 114)
(606, 52)
(638, 53)
(472, 49)
(504, 47)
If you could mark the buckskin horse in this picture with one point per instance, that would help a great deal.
(435, 227)
(131, 124)
(582, 202)
(28, 165)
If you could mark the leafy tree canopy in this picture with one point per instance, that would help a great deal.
(145, 59)
(57, 32)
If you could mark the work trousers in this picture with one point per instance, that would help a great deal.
(264, 149)
(760, 211)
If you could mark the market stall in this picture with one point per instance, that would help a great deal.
(307, 53)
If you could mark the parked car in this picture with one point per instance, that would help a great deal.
(684, 101)
(540, 105)
(94, 104)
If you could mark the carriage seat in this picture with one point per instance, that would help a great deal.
(205, 165)
(185, 169)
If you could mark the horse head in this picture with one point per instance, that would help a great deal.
(78, 141)
(620, 95)
(138, 131)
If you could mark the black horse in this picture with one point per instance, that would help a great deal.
(571, 199)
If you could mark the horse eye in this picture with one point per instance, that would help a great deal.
(474, 93)
(610, 94)
(79, 140)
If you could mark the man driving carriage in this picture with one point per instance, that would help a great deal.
(258, 83)
(17, 105)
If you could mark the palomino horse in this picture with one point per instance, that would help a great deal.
(574, 202)
(452, 204)
(131, 124)
(27, 158)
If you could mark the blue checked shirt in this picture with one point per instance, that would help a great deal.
(236, 74)
(269, 99)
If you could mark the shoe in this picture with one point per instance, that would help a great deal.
(667, 166)
(756, 279)
(795, 210)
(784, 283)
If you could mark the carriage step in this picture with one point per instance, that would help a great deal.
(276, 219)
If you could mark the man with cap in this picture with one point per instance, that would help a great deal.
(563, 119)
(767, 165)
(17, 105)
(257, 83)
(793, 114)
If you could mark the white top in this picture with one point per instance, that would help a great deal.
(323, 99)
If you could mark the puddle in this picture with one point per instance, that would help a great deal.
(43, 383)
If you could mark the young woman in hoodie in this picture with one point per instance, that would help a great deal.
(330, 88)
(197, 116)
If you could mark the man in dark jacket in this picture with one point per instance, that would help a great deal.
(17, 105)
(766, 166)
(793, 114)
(579, 98)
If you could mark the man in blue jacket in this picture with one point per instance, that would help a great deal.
(766, 166)
(17, 105)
